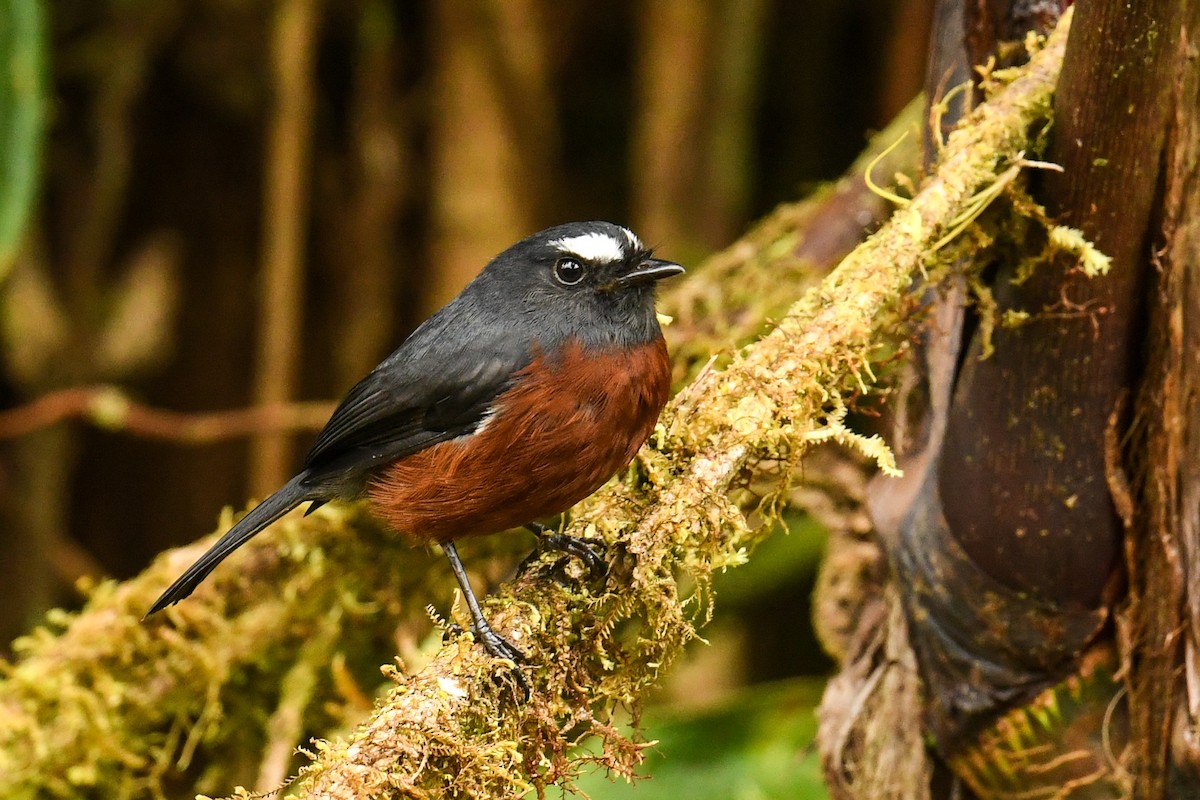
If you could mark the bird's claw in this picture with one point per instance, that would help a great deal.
(498, 647)
(495, 644)
(589, 551)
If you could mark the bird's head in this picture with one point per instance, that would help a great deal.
(590, 280)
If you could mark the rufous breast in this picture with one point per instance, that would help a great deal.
(568, 424)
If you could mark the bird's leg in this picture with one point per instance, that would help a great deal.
(588, 551)
(493, 642)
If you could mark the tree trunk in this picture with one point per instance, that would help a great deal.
(1006, 547)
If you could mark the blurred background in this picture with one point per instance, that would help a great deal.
(241, 202)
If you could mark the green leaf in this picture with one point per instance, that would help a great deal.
(22, 103)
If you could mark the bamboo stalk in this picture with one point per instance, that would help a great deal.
(285, 225)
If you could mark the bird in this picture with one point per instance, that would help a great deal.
(513, 402)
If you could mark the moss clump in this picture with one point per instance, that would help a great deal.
(104, 704)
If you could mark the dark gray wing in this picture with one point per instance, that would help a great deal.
(438, 385)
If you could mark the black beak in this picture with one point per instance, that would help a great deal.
(649, 271)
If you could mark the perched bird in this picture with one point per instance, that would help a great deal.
(515, 401)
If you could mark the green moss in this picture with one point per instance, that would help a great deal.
(102, 704)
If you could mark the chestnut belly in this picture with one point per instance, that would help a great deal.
(566, 426)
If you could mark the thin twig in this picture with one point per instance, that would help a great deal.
(110, 408)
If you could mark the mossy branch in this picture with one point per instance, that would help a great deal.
(450, 729)
(104, 704)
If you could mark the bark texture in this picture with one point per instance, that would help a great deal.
(1161, 623)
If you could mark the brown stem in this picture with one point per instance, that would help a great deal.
(369, 187)
(673, 53)
(907, 48)
(1022, 473)
(728, 121)
(285, 217)
(516, 43)
(108, 407)
(478, 205)
(119, 87)
(945, 68)
(1162, 619)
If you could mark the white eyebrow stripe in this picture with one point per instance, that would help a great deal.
(634, 241)
(591, 247)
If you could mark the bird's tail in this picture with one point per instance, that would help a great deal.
(290, 495)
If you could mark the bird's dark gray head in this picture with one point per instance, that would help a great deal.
(593, 281)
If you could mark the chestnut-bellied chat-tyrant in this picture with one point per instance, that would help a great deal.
(512, 403)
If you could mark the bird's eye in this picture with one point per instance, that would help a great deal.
(568, 271)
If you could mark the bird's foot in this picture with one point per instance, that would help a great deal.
(498, 647)
(495, 644)
(590, 552)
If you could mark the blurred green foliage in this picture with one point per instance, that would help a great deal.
(757, 745)
(22, 89)
(786, 559)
